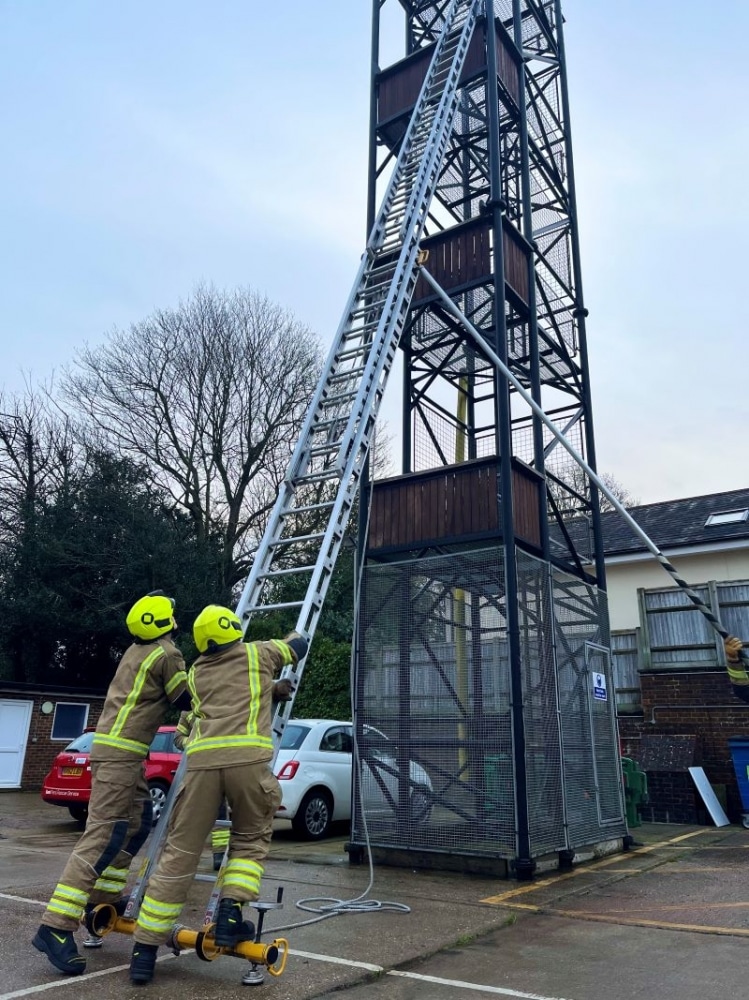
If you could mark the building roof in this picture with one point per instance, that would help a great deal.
(677, 523)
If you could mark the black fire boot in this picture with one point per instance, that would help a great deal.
(218, 859)
(230, 928)
(60, 948)
(142, 963)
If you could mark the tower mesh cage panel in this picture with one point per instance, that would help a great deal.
(433, 707)
(435, 758)
(592, 779)
(543, 752)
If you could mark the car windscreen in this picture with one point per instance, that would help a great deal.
(82, 743)
(293, 736)
(163, 743)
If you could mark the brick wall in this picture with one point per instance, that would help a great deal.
(41, 750)
(699, 704)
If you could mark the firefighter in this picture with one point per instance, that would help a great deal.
(228, 753)
(220, 834)
(737, 673)
(150, 675)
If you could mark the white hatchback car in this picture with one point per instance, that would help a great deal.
(314, 770)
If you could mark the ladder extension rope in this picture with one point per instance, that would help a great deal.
(485, 349)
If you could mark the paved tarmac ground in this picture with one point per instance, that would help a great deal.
(668, 919)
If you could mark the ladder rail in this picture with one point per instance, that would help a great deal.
(411, 187)
(367, 339)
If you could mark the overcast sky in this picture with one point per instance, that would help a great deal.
(149, 146)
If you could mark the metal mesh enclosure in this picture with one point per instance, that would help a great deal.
(433, 699)
(436, 758)
(590, 753)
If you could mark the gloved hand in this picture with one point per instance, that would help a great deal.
(292, 635)
(283, 690)
(733, 647)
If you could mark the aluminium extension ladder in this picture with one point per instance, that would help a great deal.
(325, 470)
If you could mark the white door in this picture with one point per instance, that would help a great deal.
(15, 717)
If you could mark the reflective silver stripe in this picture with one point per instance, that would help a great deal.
(227, 742)
(135, 691)
(120, 743)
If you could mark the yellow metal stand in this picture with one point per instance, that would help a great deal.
(104, 920)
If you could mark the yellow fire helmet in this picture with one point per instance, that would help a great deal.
(216, 626)
(150, 617)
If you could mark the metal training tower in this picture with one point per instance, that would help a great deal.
(483, 646)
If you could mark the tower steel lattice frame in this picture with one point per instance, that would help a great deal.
(502, 236)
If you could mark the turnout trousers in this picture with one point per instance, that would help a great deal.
(119, 821)
(254, 795)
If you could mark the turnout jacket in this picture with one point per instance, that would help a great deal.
(232, 699)
(148, 678)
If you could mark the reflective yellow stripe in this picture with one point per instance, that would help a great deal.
(156, 916)
(112, 880)
(155, 907)
(68, 901)
(184, 724)
(195, 728)
(135, 691)
(70, 892)
(220, 838)
(101, 739)
(285, 651)
(156, 924)
(738, 675)
(66, 909)
(245, 865)
(114, 888)
(179, 678)
(242, 882)
(255, 688)
(228, 742)
(116, 872)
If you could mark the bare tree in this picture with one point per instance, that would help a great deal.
(210, 398)
(37, 456)
(570, 489)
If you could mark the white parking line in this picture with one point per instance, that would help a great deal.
(76, 980)
(332, 960)
(22, 899)
(312, 956)
(459, 984)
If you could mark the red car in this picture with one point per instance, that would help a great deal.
(69, 780)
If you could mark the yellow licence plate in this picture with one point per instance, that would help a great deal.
(72, 771)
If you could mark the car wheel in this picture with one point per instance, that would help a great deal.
(421, 804)
(79, 813)
(158, 792)
(314, 816)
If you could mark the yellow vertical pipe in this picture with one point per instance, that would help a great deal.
(459, 599)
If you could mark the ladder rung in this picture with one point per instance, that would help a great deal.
(353, 352)
(308, 509)
(316, 451)
(316, 477)
(315, 537)
(281, 606)
(351, 373)
(272, 574)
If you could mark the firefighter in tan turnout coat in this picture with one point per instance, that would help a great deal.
(150, 675)
(228, 754)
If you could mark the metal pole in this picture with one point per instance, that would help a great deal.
(579, 312)
(524, 865)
